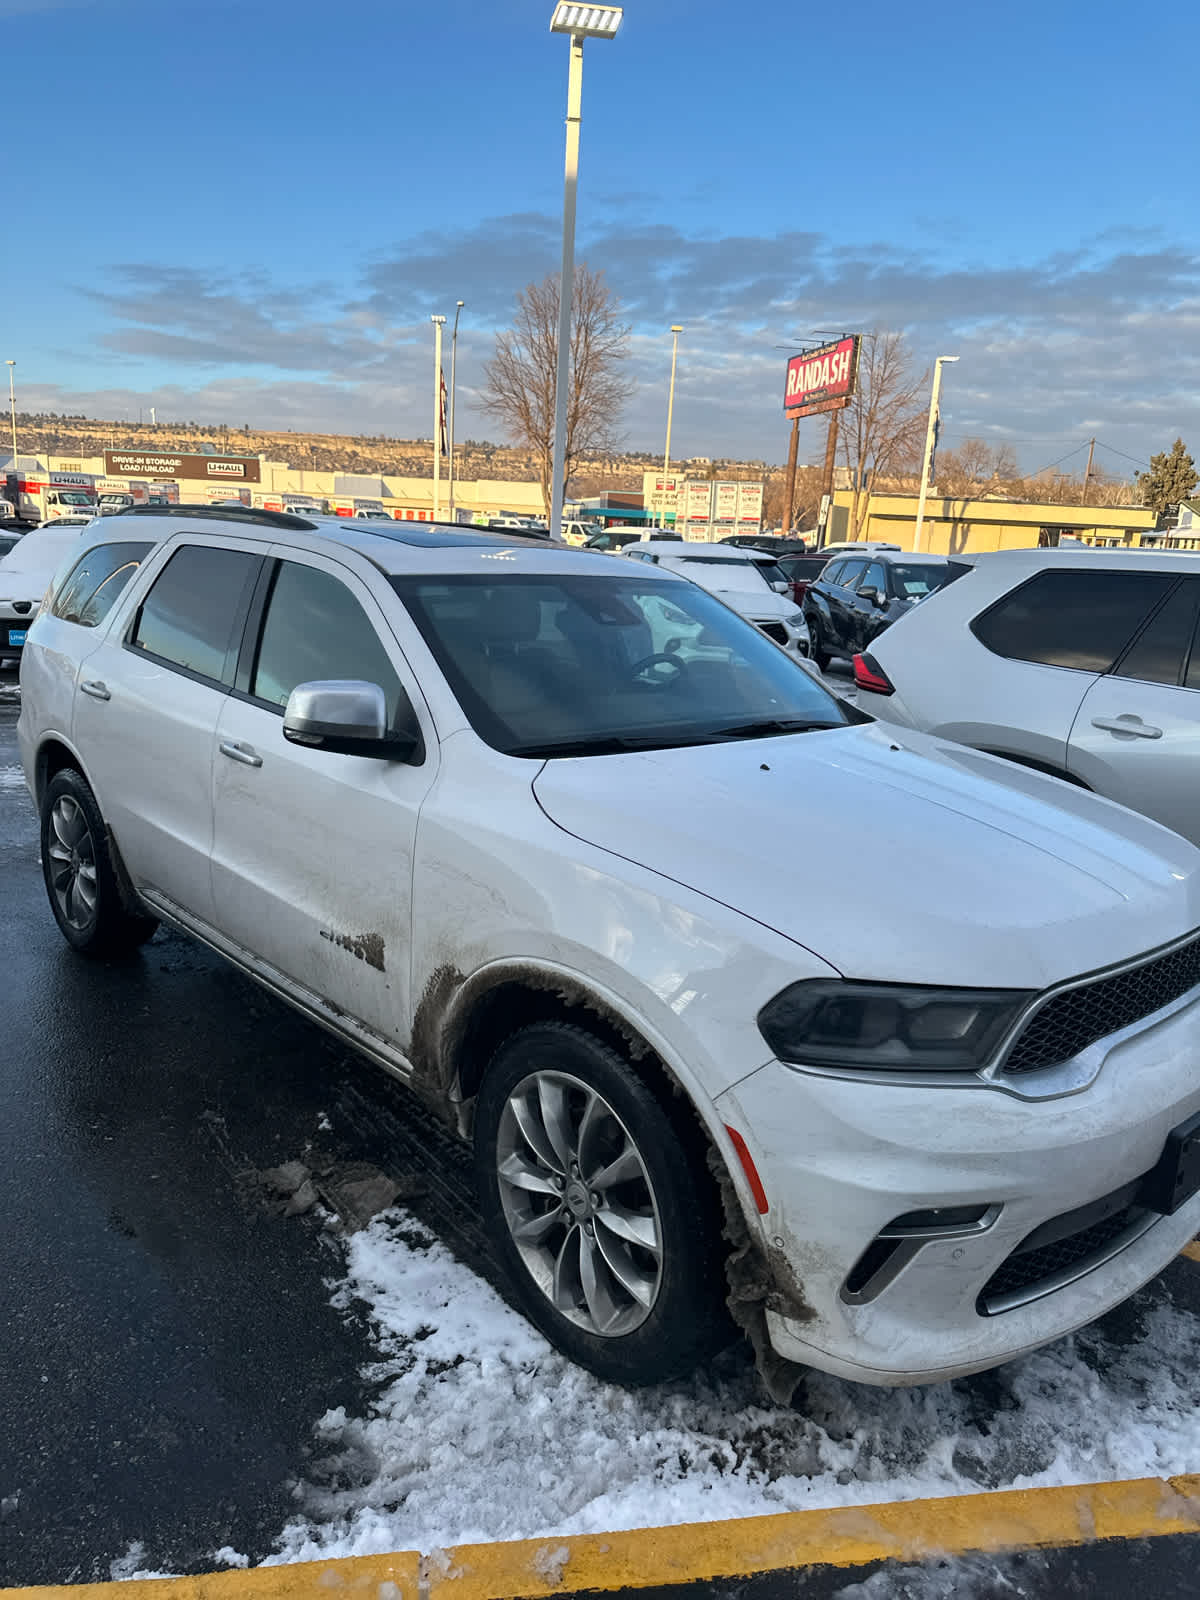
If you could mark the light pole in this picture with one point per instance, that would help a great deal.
(662, 511)
(458, 305)
(580, 22)
(12, 410)
(930, 441)
(438, 323)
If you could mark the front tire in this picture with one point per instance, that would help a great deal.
(820, 655)
(81, 877)
(605, 1223)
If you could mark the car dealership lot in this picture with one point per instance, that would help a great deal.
(189, 1372)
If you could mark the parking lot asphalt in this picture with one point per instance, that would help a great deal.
(169, 1340)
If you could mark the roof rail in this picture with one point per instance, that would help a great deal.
(272, 519)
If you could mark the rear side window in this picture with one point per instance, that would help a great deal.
(316, 629)
(95, 583)
(1160, 651)
(195, 611)
(833, 572)
(1074, 619)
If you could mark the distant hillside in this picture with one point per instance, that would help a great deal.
(48, 434)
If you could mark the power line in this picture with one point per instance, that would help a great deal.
(1061, 459)
(1138, 461)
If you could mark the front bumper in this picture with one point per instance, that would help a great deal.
(11, 623)
(841, 1160)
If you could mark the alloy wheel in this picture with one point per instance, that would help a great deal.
(72, 853)
(579, 1204)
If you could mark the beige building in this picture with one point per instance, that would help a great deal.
(262, 482)
(955, 526)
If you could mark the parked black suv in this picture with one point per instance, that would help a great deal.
(857, 596)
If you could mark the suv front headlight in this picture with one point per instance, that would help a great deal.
(890, 1027)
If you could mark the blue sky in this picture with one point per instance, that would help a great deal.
(246, 212)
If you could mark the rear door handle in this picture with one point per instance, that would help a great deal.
(1133, 725)
(246, 754)
(97, 690)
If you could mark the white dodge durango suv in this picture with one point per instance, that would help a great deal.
(502, 816)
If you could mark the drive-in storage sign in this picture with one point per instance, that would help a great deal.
(822, 380)
(162, 464)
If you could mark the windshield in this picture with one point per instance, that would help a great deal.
(587, 665)
(915, 579)
(73, 497)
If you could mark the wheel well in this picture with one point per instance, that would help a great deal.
(1046, 767)
(51, 759)
(516, 1003)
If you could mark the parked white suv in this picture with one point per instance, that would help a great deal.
(747, 580)
(1083, 663)
(506, 818)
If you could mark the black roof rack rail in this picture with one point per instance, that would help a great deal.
(272, 519)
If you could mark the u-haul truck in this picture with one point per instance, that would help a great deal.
(38, 496)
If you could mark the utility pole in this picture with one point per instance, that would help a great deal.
(827, 478)
(1087, 471)
(676, 330)
(12, 408)
(931, 434)
(438, 324)
(453, 383)
(789, 483)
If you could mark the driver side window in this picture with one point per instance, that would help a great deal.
(874, 578)
(314, 628)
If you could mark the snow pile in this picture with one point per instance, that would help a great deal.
(133, 1565)
(479, 1430)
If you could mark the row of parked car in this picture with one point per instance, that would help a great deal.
(929, 1098)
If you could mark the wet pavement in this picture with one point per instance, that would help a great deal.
(169, 1341)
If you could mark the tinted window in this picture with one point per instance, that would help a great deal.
(1159, 653)
(95, 583)
(875, 578)
(850, 574)
(194, 613)
(315, 628)
(555, 665)
(1071, 619)
(833, 572)
(914, 580)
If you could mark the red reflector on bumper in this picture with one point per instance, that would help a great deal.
(751, 1171)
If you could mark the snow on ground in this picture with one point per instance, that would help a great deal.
(479, 1430)
(11, 778)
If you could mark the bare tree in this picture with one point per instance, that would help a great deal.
(521, 373)
(976, 468)
(803, 511)
(882, 429)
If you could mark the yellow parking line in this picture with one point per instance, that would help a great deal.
(910, 1530)
(1191, 1251)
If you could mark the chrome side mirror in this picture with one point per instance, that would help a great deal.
(349, 717)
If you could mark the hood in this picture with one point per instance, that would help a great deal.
(892, 856)
(26, 571)
(760, 605)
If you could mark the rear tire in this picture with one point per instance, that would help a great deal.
(819, 653)
(606, 1224)
(82, 882)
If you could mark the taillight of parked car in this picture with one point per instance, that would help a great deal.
(868, 674)
(799, 589)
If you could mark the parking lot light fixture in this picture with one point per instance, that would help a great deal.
(931, 434)
(587, 22)
(580, 23)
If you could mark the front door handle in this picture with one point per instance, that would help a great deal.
(246, 754)
(1127, 724)
(97, 690)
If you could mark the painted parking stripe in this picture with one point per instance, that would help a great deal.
(910, 1530)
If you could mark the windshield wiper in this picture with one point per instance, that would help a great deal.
(766, 726)
(609, 745)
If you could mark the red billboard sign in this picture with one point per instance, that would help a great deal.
(822, 380)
